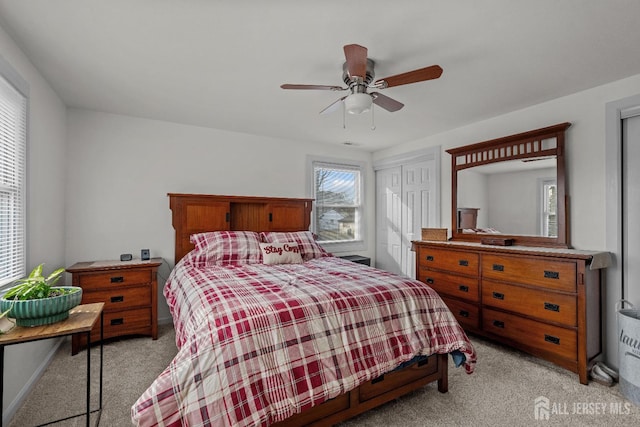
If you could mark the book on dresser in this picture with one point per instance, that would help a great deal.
(544, 301)
(129, 290)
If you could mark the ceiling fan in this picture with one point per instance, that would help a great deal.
(358, 74)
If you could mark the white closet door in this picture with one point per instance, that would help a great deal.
(418, 208)
(405, 203)
(631, 208)
(389, 219)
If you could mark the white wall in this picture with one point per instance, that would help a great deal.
(585, 157)
(46, 165)
(121, 169)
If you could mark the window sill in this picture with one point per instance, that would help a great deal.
(356, 245)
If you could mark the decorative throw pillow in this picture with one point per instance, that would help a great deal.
(309, 248)
(281, 253)
(227, 247)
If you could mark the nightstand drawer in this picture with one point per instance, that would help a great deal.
(450, 284)
(454, 261)
(110, 279)
(532, 334)
(545, 305)
(125, 322)
(118, 299)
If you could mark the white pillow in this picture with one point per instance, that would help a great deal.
(280, 253)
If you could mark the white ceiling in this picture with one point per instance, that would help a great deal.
(220, 64)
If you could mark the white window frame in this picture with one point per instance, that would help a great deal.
(359, 244)
(544, 204)
(13, 249)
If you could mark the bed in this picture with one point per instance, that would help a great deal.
(273, 330)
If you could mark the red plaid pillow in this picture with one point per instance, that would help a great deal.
(309, 248)
(226, 247)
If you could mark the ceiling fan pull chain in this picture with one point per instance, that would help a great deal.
(373, 122)
(344, 116)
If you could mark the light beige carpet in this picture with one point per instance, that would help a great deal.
(501, 392)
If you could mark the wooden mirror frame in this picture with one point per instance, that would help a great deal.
(520, 146)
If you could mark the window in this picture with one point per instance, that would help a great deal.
(337, 213)
(13, 141)
(549, 212)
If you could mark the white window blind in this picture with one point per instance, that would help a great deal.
(13, 137)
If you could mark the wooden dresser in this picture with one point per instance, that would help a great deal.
(540, 300)
(129, 292)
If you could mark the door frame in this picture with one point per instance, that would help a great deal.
(614, 289)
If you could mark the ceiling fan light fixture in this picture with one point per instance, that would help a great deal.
(357, 103)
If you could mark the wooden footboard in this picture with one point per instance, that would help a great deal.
(374, 393)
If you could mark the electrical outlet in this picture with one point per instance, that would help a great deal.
(144, 254)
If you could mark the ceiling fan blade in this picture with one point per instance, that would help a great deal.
(385, 102)
(333, 107)
(312, 87)
(420, 75)
(356, 56)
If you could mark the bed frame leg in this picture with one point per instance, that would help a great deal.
(443, 373)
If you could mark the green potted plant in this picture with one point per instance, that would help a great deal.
(35, 301)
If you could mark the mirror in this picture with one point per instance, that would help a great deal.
(511, 188)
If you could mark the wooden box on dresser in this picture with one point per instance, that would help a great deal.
(129, 290)
(544, 301)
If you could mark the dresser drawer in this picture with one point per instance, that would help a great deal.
(110, 279)
(119, 298)
(449, 260)
(468, 315)
(451, 284)
(531, 271)
(545, 305)
(531, 334)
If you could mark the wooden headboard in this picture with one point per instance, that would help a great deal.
(197, 213)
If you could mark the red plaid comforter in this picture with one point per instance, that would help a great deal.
(258, 343)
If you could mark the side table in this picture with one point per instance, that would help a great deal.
(81, 319)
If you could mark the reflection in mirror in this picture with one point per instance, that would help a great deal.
(512, 197)
(511, 188)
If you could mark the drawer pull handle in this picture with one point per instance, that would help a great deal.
(118, 321)
(551, 274)
(117, 279)
(498, 267)
(429, 257)
(552, 339)
(463, 313)
(498, 295)
(119, 298)
(430, 280)
(423, 362)
(463, 262)
(498, 324)
(463, 288)
(551, 307)
(377, 380)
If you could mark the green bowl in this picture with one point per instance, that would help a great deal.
(44, 311)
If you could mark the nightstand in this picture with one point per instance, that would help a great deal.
(358, 259)
(129, 291)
